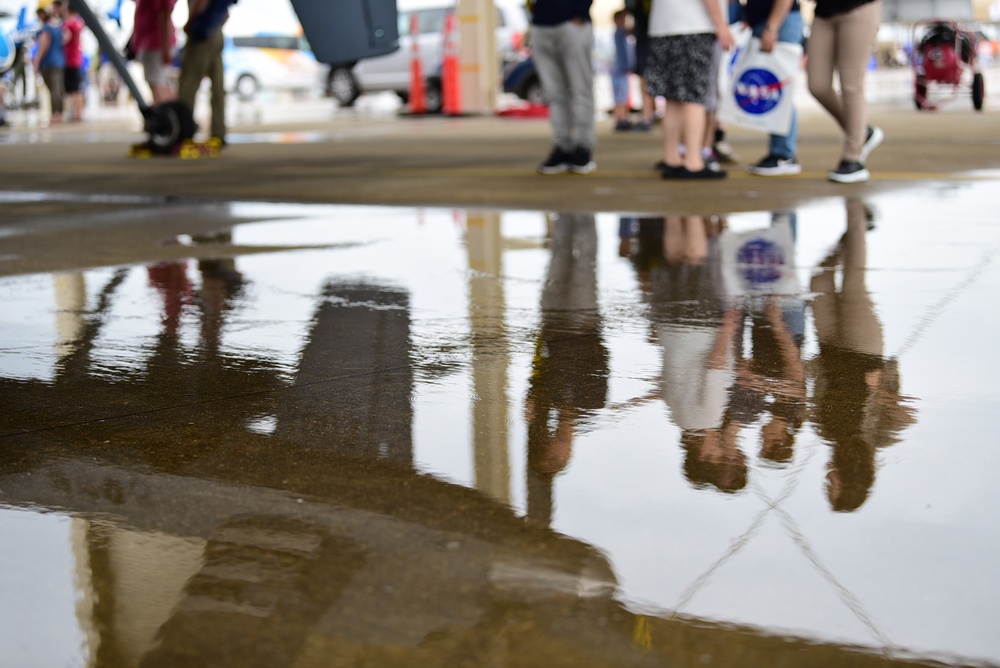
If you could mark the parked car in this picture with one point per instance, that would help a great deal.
(521, 79)
(284, 62)
(347, 81)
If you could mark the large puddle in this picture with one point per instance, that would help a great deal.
(350, 436)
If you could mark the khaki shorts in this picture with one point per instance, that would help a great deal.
(156, 73)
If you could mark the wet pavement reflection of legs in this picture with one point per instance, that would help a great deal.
(315, 435)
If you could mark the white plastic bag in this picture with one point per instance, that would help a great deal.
(761, 90)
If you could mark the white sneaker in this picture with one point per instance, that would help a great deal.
(849, 172)
(775, 165)
(873, 140)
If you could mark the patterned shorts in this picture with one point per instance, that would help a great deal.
(680, 67)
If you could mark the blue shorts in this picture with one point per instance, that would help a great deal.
(619, 87)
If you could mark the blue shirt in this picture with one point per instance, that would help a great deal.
(54, 56)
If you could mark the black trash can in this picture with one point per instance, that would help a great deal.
(341, 31)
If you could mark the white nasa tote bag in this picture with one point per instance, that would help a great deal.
(761, 89)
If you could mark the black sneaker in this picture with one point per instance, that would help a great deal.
(623, 126)
(775, 165)
(849, 172)
(873, 140)
(669, 171)
(556, 163)
(581, 162)
(683, 173)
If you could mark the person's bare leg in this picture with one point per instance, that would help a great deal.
(673, 239)
(694, 133)
(696, 239)
(673, 128)
(76, 106)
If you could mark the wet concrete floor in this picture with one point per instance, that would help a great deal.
(255, 433)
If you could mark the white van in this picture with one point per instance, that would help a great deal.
(347, 81)
(283, 62)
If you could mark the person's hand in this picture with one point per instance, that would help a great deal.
(577, 21)
(725, 38)
(165, 56)
(768, 39)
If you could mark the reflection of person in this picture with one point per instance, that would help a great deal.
(201, 58)
(705, 283)
(683, 35)
(49, 60)
(562, 39)
(772, 380)
(697, 333)
(841, 40)
(857, 406)
(221, 282)
(153, 39)
(759, 271)
(570, 370)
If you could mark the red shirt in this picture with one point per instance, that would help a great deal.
(71, 41)
(146, 31)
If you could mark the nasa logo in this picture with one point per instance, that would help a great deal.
(758, 91)
(761, 261)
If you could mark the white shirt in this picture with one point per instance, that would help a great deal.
(681, 17)
(696, 395)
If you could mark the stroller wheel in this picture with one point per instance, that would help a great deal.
(168, 125)
(978, 91)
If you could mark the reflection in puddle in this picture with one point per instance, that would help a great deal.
(431, 437)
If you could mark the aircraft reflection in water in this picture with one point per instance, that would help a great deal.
(710, 288)
(285, 523)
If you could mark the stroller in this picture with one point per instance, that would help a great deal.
(945, 62)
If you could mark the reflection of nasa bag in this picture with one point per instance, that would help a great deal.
(762, 88)
(759, 262)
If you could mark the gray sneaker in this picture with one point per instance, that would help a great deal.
(775, 165)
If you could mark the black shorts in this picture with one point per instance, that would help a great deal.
(680, 67)
(71, 79)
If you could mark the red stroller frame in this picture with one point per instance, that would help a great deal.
(945, 58)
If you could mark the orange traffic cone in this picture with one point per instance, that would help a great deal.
(418, 98)
(451, 102)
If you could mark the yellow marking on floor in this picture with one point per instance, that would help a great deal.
(650, 175)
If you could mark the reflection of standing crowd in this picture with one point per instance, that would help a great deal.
(729, 314)
(677, 48)
(710, 289)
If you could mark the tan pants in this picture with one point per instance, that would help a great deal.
(200, 60)
(844, 44)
